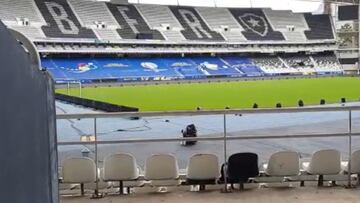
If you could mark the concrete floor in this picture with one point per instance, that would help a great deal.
(268, 195)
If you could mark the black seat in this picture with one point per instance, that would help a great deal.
(240, 168)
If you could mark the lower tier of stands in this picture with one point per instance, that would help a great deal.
(171, 68)
(161, 170)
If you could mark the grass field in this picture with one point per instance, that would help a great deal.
(241, 94)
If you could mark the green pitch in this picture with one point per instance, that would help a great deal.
(218, 95)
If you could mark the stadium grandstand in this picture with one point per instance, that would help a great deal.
(117, 101)
(256, 40)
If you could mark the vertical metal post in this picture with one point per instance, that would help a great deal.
(96, 159)
(68, 88)
(350, 149)
(225, 155)
(80, 89)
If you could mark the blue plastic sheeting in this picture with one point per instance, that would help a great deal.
(244, 65)
(216, 66)
(143, 69)
(184, 66)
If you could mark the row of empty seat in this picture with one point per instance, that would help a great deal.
(301, 65)
(161, 170)
(56, 19)
(10, 10)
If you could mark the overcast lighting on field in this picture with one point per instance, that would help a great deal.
(294, 5)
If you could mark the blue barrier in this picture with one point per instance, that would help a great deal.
(143, 69)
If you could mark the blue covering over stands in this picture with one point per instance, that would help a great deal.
(129, 69)
(215, 66)
(244, 65)
(87, 70)
(192, 67)
(184, 66)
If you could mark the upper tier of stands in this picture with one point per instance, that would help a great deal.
(57, 20)
(169, 68)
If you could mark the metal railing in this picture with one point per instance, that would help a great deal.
(95, 116)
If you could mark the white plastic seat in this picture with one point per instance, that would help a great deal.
(65, 186)
(79, 170)
(284, 163)
(355, 162)
(282, 169)
(162, 170)
(203, 169)
(325, 162)
(121, 167)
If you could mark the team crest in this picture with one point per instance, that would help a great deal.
(255, 23)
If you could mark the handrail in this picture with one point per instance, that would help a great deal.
(208, 112)
(218, 138)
